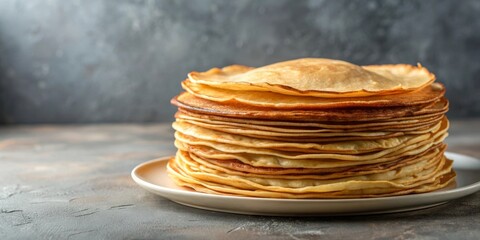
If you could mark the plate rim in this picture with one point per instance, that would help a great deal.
(469, 188)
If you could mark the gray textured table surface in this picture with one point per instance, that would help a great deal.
(73, 182)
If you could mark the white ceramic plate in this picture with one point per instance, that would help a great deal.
(153, 177)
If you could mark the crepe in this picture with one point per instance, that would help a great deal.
(190, 103)
(190, 131)
(441, 178)
(237, 168)
(318, 77)
(301, 172)
(427, 94)
(311, 128)
(398, 124)
(310, 136)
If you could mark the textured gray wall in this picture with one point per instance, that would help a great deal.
(121, 61)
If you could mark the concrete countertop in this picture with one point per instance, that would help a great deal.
(73, 182)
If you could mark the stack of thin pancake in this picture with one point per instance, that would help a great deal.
(311, 128)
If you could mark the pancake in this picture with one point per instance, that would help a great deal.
(201, 106)
(218, 189)
(301, 127)
(406, 174)
(311, 128)
(279, 159)
(186, 130)
(310, 136)
(318, 77)
(183, 113)
(427, 94)
(236, 167)
(354, 189)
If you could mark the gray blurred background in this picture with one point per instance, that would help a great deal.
(83, 61)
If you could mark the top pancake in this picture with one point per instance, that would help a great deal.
(423, 95)
(318, 77)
